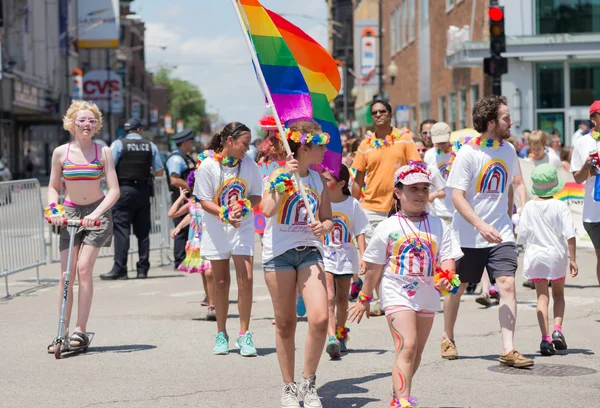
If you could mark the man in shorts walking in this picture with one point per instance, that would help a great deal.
(480, 178)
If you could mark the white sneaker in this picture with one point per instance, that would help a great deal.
(308, 393)
(289, 396)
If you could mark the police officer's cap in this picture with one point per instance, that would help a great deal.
(184, 135)
(132, 124)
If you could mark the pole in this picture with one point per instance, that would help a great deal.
(109, 103)
(497, 85)
(263, 83)
(381, 49)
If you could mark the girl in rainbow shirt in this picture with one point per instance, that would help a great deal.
(416, 254)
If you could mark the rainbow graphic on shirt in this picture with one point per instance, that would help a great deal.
(444, 170)
(403, 258)
(493, 177)
(230, 191)
(340, 234)
(293, 211)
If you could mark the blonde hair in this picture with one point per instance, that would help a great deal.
(538, 137)
(79, 105)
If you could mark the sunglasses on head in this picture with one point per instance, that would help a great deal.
(380, 111)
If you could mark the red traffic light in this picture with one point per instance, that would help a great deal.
(495, 13)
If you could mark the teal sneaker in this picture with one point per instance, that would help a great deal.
(246, 345)
(221, 345)
(300, 306)
(333, 348)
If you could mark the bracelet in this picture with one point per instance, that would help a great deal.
(363, 297)
(54, 209)
(451, 276)
(282, 184)
(225, 210)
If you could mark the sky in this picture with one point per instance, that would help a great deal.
(205, 42)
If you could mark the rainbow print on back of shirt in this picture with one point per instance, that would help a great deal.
(493, 177)
(230, 191)
(403, 258)
(443, 168)
(340, 234)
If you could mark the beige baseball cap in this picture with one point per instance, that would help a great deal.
(440, 133)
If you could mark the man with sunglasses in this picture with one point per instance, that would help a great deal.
(425, 132)
(135, 159)
(378, 157)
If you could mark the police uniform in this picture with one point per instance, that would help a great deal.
(180, 165)
(134, 159)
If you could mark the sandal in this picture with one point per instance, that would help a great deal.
(80, 338)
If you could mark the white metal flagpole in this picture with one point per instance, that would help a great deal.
(265, 87)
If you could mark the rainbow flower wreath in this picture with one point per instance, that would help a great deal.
(283, 183)
(53, 209)
(409, 402)
(473, 141)
(341, 333)
(218, 157)
(452, 277)
(319, 139)
(376, 143)
(225, 210)
(595, 136)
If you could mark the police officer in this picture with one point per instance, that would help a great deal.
(179, 166)
(135, 158)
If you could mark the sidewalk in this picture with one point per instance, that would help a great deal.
(152, 348)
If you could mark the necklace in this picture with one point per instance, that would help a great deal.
(218, 157)
(440, 151)
(595, 136)
(484, 142)
(376, 143)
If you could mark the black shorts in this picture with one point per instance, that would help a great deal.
(593, 230)
(499, 260)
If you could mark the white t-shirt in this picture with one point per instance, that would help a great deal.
(288, 228)
(445, 206)
(545, 226)
(430, 155)
(581, 151)
(391, 246)
(550, 157)
(349, 220)
(223, 185)
(485, 174)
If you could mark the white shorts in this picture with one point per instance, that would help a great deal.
(342, 260)
(221, 241)
(415, 292)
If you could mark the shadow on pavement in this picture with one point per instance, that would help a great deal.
(330, 392)
(365, 351)
(585, 352)
(581, 286)
(125, 348)
(203, 319)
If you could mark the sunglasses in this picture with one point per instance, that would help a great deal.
(380, 111)
(82, 122)
(426, 132)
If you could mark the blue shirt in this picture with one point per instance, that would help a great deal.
(176, 164)
(117, 150)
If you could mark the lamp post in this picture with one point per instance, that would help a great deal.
(392, 71)
(381, 95)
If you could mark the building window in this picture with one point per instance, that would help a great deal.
(405, 23)
(567, 16)
(423, 13)
(585, 83)
(550, 85)
(393, 33)
(424, 111)
(452, 118)
(442, 109)
(399, 28)
(449, 5)
(413, 118)
(462, 109)
(552, 123)
(411, 20)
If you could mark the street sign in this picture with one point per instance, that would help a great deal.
(402, 114)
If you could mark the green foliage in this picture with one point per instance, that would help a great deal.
(185, 100)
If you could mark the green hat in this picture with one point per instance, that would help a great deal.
(546, 182)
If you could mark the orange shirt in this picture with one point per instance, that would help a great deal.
(380, 164)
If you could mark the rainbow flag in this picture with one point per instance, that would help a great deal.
(301, 75)
(571, 191)
(363, 191)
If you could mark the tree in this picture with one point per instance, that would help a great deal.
(185, 100)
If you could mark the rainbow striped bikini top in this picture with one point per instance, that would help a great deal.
(82, 172)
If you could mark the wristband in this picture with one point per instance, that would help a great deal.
(363, 297)
(451, 276)
(225, 210)
(282, 184)
(54, 209)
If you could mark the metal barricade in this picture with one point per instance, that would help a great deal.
(160, 228)
(22, 242)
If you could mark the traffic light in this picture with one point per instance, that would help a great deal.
(497, 37)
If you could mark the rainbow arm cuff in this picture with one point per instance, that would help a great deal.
(54, 209)
(225, 210)
(452, 277)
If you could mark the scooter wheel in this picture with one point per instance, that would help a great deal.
(57, 350)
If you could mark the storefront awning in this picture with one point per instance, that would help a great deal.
(551, 47)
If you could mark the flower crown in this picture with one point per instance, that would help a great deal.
(414, 167)
(306, 138)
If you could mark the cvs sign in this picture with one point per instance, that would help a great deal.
(104, 88)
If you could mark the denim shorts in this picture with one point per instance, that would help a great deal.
(295, 259)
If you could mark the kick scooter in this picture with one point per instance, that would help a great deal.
(61, 343)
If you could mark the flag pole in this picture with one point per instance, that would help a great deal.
(267, 92)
